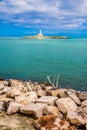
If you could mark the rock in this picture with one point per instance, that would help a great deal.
(66, 104)
(6, 89)
(28, 86)
(1, 92)
(21, 99)
(2, 96)
(75, 118)
(62, 124)
(45, 122)
(13, 108)
(74, 97)
(49, 110)
(34, 109)
(26, 98)
(14, 82)
(83, 96)
(83, 109)
(48, 88)
(57, 92)
(40, 93)
(52, 92)
(13, 92)
(50, 100)
(5, 102)
(1, 86)
(37, 87)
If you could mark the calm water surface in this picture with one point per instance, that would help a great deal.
(35, 59)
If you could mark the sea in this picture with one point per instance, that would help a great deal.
(34, 59)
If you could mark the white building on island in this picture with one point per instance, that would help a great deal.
(40, 35)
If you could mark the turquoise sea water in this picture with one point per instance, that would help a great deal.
(35, 59)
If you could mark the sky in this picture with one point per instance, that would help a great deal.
(53, 17)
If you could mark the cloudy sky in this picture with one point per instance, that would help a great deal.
(26, 17)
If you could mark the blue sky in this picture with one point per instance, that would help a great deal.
(27, 17)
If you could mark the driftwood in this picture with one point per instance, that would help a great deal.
(55, 82)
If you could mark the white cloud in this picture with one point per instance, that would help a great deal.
(45, 13)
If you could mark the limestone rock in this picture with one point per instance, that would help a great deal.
(66, 104)
(6, 89)
(40, 93)
(46, 88)
(21, 99)
(13, 92)
(49, 110)
(45, 122)
(83, 109)
(57, 92)
(14, 82)
(74, 97)
(83, 96)
(13, 108)
(75, 118)
(52, 92)
(26, 98)
(62, 124)
(5, 102)
(34, 109)
(1, 86)
(2, 96)
(50, 100)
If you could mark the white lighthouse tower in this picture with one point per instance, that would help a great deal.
(40, 35)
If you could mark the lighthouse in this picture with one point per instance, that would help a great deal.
(40, 34)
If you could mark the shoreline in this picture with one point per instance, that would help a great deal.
(61, 84)
(42, 105)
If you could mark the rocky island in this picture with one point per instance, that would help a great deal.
(27, 105)
(41, 36)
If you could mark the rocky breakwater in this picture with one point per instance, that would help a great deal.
(28, 105)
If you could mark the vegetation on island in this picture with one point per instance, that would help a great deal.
(45, 37)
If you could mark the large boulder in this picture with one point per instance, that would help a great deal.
(45, 123)
(74, 97)
(83, 109)
(34, 109)
(50, 100)
(57, 92)
(49, 110)
(79, 117)
(13, 108)
(76, 118)
(66, 104)
(26, 98)
(13, 92)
